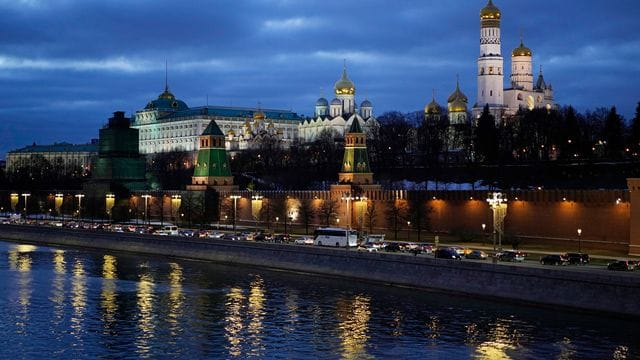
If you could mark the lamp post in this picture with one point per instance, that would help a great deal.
(338, 222)
(256, 206)
(579, 240)
(109, 201)
(26, 195)
(176, 200)
(79, 196)
(408, 230)
(348, 198)
(146, 207)
(498, 203)
(484, 234)
(275, 228)
(235, 209)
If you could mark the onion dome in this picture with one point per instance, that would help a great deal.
(258, 115)
(521, 50)
(345, 86)
(166, 94)
(270, 126)
(322, 102)
(336, 102)
(366, 103)
(231, 133)
(457, 106)
(457, 94)
(490, 12)
(432, 107)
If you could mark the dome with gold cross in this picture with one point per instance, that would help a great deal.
(344, 86)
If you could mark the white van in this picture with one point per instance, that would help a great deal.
(168, 230)
(337, 237)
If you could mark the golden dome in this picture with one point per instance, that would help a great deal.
(457, 106)
(457, 94)
(345, 86)
(521, 50)
(432, 107)
(490, 12)
(258, 115)
(166, 94)
(231, 133)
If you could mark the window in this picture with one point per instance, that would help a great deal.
(490, 70)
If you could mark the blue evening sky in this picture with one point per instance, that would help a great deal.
(66, 65)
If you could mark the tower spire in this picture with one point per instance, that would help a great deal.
(166, 75)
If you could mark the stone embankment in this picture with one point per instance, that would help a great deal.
(595, 291)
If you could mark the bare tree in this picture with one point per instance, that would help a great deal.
(396, 212)
(307, 213)
(370, 216)
(328, 210)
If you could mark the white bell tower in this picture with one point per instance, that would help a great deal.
(490, 63)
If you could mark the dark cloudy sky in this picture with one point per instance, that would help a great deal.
(66, 65)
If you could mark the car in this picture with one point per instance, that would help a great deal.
(621, 265)
(305, 240)
(230, 236)
(425, 248)
(282, 238)
(459, 249)
(557, 259)
(447, 253)
(578, 258)
(367, 248)
(262, 236)
(513, 256)
(392, 247)
(186, 232)
(477, 255)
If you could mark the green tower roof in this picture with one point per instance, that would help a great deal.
(213, 129)
(355, 126)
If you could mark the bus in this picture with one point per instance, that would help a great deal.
(337, 237)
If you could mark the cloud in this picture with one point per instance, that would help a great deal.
(294, 23)
(122, 64)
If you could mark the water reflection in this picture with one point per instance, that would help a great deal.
(353, 316)
(108, 297)
(78, 298)
(58, 286)
(256, 316)
(176, 298)
(20, 260)
(145, 297)
(233, 321)
(503, 338)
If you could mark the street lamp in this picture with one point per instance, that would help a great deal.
(275, 230)
(235, 209)
(79, 196)
(176, 200)
(26, 195)
(146, 204)
(498, 203)
(338, 222)
(579, 240)
(58, 204)
(484, 234)
(256, 206)
(348, 198)
(408, 230)
(109, 202)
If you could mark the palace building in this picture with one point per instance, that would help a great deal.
(168, 124)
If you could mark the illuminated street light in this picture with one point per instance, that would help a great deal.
(498, 203)
(79, 196)
(146, 198)
(349, 198)
(235, 209)
(408, 230)
(26, 195)
(109, 202)
(579, 240)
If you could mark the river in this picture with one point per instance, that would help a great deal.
(76, 304)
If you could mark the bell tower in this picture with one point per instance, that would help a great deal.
(490, 63)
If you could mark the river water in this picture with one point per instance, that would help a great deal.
(76, 304)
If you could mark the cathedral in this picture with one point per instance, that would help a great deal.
(338, 115)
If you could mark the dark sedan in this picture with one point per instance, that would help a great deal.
(621, 265)
(554, 260)
(578, 258)
(447, 253)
